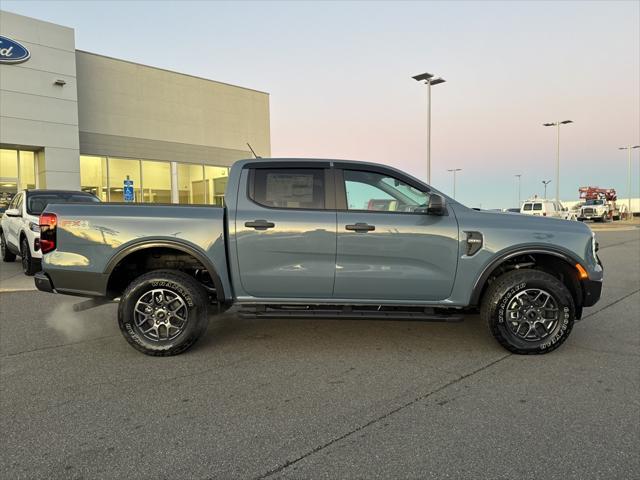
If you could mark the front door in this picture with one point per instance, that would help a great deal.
(286, 231)
(388, 247)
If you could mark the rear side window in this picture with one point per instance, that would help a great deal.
(537, 206)
(527, 207)
(37, 202)
(288, 187)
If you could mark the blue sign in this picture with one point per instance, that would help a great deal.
(12, 52)
(128, 193)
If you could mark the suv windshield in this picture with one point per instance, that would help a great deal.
(37, 202)
(594, 202)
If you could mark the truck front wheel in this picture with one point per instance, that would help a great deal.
(163, 312)
(528, 311)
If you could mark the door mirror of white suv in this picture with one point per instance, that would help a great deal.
(13, 212)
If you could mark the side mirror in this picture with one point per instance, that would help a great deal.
(12, 212)
(436, 205)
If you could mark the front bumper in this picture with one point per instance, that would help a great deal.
(591, 290)
(43, 282)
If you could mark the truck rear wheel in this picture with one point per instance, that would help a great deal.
(163, 312)
(528, 311)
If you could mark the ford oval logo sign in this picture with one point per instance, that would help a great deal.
(12, 52)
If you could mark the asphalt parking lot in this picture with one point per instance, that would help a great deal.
(321, 398)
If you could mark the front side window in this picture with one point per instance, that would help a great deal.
(17, 203)
(376, 192)
(288, 187)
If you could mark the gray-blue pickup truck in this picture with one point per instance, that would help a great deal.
(322, 238)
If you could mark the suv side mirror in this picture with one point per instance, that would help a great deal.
(12, 212)
(436, 205)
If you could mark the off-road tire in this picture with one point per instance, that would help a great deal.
(7, 256)
(187, 288)
(504, 288)
(29, 266)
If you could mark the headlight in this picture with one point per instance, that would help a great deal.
(34, 227)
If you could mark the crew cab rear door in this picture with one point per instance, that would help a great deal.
(388, 247)
(286, 230)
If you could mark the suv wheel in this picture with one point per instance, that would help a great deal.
(7, 256)
(163, 312)
(28, 265)
(528, 311)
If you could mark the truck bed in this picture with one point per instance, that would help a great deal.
(93, 238)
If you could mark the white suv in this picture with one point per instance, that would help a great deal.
(19, 228)
(547, 208)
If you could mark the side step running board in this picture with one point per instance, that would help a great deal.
(349, 312)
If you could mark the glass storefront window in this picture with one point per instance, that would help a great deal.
(191, 186)
(121, 169)
(8, 163)
(216, 183)
(156, 182)
(152, 180)
(93, 176)
(27, 169)
(13, 162)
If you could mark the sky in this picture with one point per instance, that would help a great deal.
(339, 79)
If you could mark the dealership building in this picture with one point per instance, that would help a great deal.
(71, 119)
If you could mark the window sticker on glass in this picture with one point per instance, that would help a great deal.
(292, 189)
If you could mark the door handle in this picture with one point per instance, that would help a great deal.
(360, 227)
(259, 224)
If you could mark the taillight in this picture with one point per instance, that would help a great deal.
(48, 223)
(544, 214)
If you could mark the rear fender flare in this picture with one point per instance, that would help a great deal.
(176, 245)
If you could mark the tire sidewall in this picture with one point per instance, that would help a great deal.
(3, 248)
(498, 314)
(196, 318)
(25, 253)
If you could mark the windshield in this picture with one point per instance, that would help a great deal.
(37, 202)
(594, 202)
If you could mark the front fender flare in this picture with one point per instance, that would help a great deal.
(505, 255)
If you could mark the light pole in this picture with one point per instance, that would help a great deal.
(454, 170)
(429, 80)
(628, 148)
(545, 182)
(557, 124)
(519, 176)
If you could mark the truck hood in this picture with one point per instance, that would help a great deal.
(533, 223)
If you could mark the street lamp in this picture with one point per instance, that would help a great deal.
(519, 175)
(628, 148)
(545, 182)
(454, 170)
(557, 124)
(429, 80)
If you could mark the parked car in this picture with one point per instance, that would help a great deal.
(512, 210)
(19, 228)
(301, 238)
(547, 208)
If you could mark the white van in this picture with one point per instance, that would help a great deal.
(547, 208)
